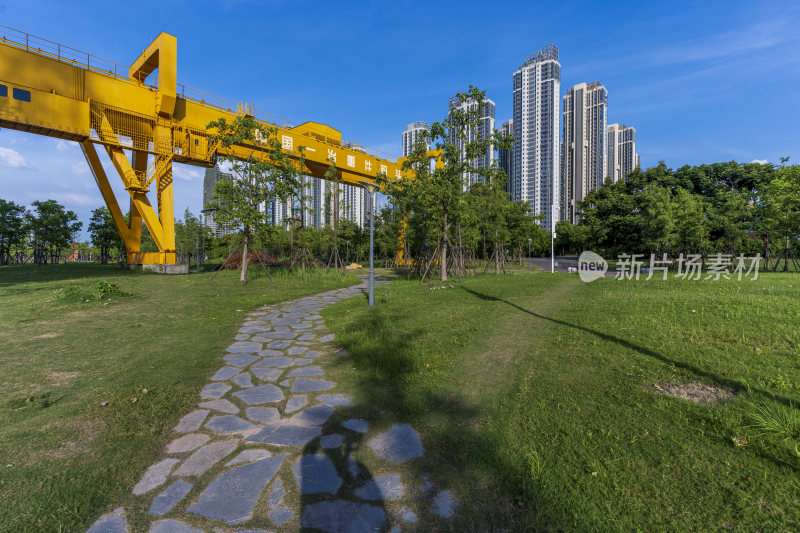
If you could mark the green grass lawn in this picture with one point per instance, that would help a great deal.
(75, 336)
(541, 399)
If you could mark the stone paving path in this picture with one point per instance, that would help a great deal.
(259, 424)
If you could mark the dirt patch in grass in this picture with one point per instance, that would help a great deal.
(62, 378)
(47, 336)
(696, 392)
(84, 435)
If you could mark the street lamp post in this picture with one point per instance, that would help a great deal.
(529, 254)
(371, 188)
(552, 242)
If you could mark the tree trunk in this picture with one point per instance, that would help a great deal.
(786, 260)
(496, 254)
(245, 235)
(444, 250)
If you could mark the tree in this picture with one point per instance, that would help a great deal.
(12, 228)
(268, 173)
(784, 209)
(436, 194)
(188, 233)
(729, 218)
(658, 224)
(52, 228)
(104, 233)
(691, 227)
(564, 236)
(333, 197)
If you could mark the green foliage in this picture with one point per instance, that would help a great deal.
(189, 235)
(723, 207)
(52, 229)
(104, 233)
(12, 228)
(99, 291)
(774, 420)
(435, 202)
(268, 174)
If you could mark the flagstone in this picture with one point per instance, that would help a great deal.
(399, 444)
(113, 522)
(264, 415)
(232, 496)
(204, 458)
(169, 498)
(214, 391)
(286, 435)
(237, 347)
(262, 394)
(223, 406)
(311, 385)
(155, 476)
(187, 443)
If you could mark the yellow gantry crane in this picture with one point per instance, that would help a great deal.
(53, 90)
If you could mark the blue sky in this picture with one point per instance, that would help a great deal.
(700, 81)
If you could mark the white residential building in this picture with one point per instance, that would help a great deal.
(583, 164)
(481, 132)
(212, 176)
(507, 156)
(621, 153)
(316, 210)
(413, 132)
(536, 172)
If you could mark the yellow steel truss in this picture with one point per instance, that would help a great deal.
(60, 92)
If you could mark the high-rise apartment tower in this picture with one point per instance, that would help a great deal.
(583, 163)
(536, 173)
(621, 156)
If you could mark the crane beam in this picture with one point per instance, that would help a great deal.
(52, 90)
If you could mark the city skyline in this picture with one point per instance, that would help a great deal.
(664, 67)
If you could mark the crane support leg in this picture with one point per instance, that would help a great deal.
(130, 238)
(141, 210)
(139, 160)
(166, 209)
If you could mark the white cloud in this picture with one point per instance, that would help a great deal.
(61, 145)
(184, 173)
(79, 168)
(760, 161)
(12, 158)
(76, 199)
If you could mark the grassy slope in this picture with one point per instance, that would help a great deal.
(60, 357)
(535, 398)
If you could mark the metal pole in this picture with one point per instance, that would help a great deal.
(371, 270)
(529, 254)
(552, 242)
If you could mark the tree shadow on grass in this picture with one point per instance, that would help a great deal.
(16, 274)
(732, 384)
(458, 454)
